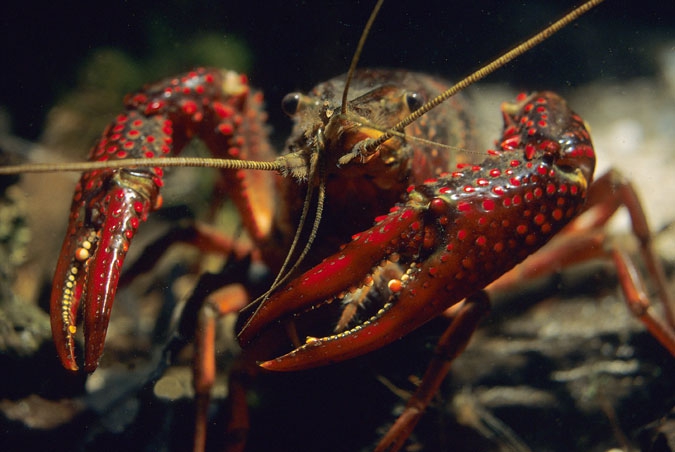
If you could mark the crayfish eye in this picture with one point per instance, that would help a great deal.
(290, 103)
(414, 101)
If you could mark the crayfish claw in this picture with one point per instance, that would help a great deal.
(102, 227)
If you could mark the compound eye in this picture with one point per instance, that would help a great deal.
(290, 103)
(414, 100)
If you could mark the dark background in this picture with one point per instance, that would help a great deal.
(295, 45)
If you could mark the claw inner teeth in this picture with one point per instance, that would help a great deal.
(384, 282)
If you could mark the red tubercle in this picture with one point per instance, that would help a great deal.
(529, 151)
(189, 107)
(138, 206)
(437, 206)
(464, 206)
(222, 110)
(510, 143)
(488, 204)
(407, 214)
(510, 131)
(234, 152)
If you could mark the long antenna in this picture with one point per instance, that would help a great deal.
(482, 72)
(357, 53)
(276, 165)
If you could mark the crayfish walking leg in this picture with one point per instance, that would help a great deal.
(450, 345)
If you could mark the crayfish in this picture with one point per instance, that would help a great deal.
(446, 231)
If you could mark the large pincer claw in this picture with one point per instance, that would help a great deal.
(103, 220)
(374, 262)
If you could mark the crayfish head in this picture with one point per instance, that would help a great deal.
(379, 100)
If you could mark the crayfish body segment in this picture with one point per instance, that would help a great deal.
(453, 236)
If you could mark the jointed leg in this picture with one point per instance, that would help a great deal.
(585, 238)
(453, 341)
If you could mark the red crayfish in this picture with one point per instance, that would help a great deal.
(444, 233)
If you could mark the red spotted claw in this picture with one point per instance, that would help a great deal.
(451, 237)
(109, 205)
